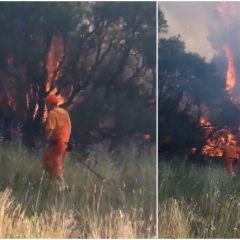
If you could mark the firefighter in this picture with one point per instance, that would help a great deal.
(231, 155)
(58, 130)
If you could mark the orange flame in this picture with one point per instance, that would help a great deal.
(217, 141)
(231, 72)
(55, 56)
(204, 122)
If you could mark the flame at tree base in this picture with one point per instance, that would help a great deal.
(216, 141)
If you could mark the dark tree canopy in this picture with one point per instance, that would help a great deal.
(99, 57)
(189, 88)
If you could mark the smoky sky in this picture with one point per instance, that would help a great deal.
(205, 27)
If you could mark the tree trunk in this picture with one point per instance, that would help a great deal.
(28, 134)
(8, 117)
(32, 128)
(7, 123)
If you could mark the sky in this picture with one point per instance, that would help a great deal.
(211, 29)
(202, 26)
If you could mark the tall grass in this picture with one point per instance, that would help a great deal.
(198, 202)
(32, 206)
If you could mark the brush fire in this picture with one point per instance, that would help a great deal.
(223, 142)
(54, 58)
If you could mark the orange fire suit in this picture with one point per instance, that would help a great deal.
(59, 122)
(231, 154)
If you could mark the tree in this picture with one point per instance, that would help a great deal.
(186, 84)
(74, 50)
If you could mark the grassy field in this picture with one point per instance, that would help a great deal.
(33, 207)
(198, 202)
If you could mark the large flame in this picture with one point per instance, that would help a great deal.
(216, 141)
(55, 56)
(229, 12)
(231, 72)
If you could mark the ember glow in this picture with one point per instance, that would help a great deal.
(203, 122)
(231, 72)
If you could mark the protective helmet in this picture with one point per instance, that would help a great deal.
(52, 99)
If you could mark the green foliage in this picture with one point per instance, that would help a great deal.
(190, 73)
(181, 77)
(186, 84)
(189, 87)
(131, 176)
(162, 23)
(197, 202)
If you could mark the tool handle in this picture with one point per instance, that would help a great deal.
(91, 170)
(87, 166)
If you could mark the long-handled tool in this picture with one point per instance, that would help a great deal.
(81, 160)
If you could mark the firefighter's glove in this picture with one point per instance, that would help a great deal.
(69, 147)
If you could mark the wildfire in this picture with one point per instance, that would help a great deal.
(231, 72)
(55, 56)
(217, 141)
(229, 12)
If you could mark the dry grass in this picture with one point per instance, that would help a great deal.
(198, 202)
(33, 207)
(14, 222)
(173, 221)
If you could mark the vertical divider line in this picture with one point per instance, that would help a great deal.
(157, 118)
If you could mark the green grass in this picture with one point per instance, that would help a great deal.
(125, 208)
(198, 202)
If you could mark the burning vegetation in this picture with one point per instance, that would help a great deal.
(231, 72)
(218, 139)
(84, 57)
(199, 110)
(55, 57)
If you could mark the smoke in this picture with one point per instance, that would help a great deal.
(227, 33)
(206, 28)
(192, 21)
(226, 30)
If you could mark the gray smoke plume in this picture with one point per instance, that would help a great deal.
(206, 27)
